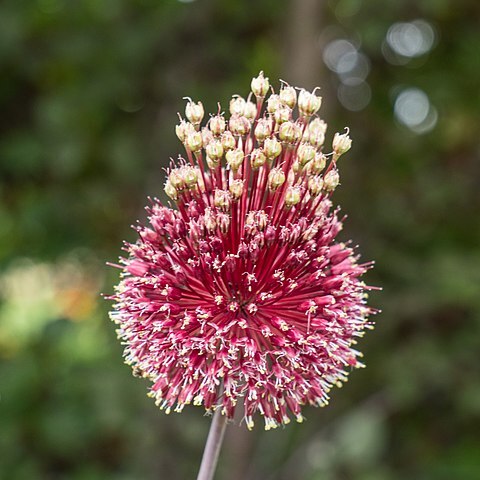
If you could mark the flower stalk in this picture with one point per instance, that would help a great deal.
(213, 446)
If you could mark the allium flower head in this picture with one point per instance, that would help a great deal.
(238, 291)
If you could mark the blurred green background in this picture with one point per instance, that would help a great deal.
(89, 92)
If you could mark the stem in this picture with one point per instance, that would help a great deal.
(212, 447)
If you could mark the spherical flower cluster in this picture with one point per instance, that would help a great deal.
(239, 295)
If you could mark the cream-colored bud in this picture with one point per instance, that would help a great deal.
(317, 125)
(288, 96)
(207, 136)
(263, 129)
(223, 221)
(212, 163)
(290, 132)
(305, 153)
(331, 180)
(236, 189)
(228, 140)
(316, 132)
(237, 105)
(276, 178)
(272, 148)
(194, 112)
(273, 103)
(262, 220)
(315, 185)
(239, 125)
(282, 114)
(250, 111)
(257, 158)
(308, 103)
(190, 176)
(234, 158)
(260, 85)
(215, 150)
(209, 220)
(316, 140)
(250, 218)
(194, 141)
(217, 125)
(341, 143)
(292, 196)
(171, 191)
(176, 179)
(296, 166)
(317, 164)
(183, 129)
(222, 200)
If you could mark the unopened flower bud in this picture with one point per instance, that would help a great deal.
(305, 153)
(212, 163)
(228, 140)
(272, 148)
(260, 85)
(292, 196)
(317, 164)
(236, 189)
(263, 129)
(171, 191)
(223, 221)
(315, 185)
(317, 125)
(194, 112)
(217, 125)
(234, 158)
(262, 220)
(250, 219)
(250, 111)
(209, 220)
(288, 96)
(190, 176)
(183, 129)
(257, 158)
(239, 125)
(341, 143)
(176, 179)
(282, 114)
(207, 136)
(290, 132)
(215, 150)
(316, 132)
(276, 178)
(222, 200)
(273, 103)
(331, 180)
(308, 103)
(237, 106)
(316, 140)
(194, 141)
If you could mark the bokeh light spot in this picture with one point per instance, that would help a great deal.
(340, 56)
(411, 39)
(413, 109)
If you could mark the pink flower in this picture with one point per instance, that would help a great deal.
(241, 293)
